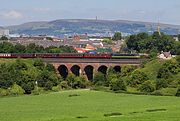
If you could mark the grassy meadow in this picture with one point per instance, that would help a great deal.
(86, 105)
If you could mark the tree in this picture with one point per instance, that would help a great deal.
(168, 69)
(38, 63)
(118, 84)
(50, 67)
(99, 79)
(8, 75)
(161, 83)
(137, 77)
(3, 38)
(46, 78)
(107, 40)
(117, 36)
(6, 47)
(18, 48)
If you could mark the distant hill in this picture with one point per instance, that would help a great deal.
(81, 26)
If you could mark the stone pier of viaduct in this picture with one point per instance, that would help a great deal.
(87, 67)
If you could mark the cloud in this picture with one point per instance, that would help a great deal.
(11, 15)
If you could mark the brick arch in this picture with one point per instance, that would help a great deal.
(76, 70)
(82, 67)
(117, 68)
(103, 69)
(63, 71)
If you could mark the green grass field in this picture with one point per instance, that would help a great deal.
(89, 106)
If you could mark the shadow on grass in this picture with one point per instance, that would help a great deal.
(115, 114)
(155, 110)
(80, 117)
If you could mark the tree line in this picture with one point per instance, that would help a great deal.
(33, 76)
(6, 47)
(145, 43)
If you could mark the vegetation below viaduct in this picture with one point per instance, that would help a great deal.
(26, 76)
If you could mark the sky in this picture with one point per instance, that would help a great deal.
(14, 12)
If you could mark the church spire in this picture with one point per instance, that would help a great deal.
(159, 29)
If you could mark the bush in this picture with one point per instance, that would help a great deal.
(161, 83)
(166, 92)
(118, 84)
(136, 78)
(48, 85)
(64, 85)
(28, 87)
(147, 87)
(4, 92)
(38, 63)
(56, 88)
(99, 79)
(16, 90)
(50, 67)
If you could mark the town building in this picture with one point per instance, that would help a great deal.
(165, 55)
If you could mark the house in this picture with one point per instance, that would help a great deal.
(165, 55)
(81, 37)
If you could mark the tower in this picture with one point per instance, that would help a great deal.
(159, 29)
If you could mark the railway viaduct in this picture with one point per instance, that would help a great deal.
(87, 67)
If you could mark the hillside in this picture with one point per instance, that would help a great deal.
(99, 27)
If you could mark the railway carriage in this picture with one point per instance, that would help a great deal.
(70, 55)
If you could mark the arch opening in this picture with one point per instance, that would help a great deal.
(117, 69)
(76, 70)
(63, 71)
(103, 69)
(89, 72)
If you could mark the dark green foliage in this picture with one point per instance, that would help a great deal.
(20, 65)
(143, 42)
(8, 75)
(48, 85)
(137, 77)
(3, 38)
(18, 48)
(147, 86)
(33, 48)
(178, 92)
(164, 73)
(6, 47)
(168, 69)
(50, 67)
(49, 38)
(117, 85)
(127, 70)
(76, 82)
(161, 83)
(28, 87)
(117, 36)
(38, 63)
(47, 79)
(99, 79)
